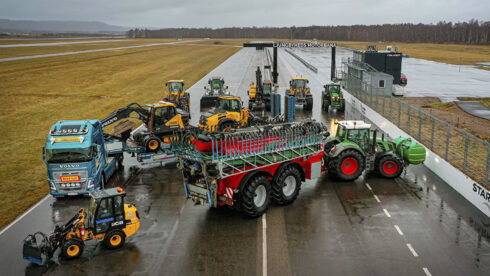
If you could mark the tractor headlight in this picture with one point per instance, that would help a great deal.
(90, 184)
(52, 187)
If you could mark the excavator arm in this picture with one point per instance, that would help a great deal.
(125, 112)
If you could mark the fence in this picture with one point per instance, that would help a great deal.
(468, 153)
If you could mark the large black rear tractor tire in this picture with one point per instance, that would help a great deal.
(287, 186)
(347, 166)
(342, 106)
(114, 239)
(72, 248)
(308, 104)
(390, 166)
(255, 196)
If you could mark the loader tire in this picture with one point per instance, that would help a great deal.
(255, 196)
(72, 248)
(114, 239)
(287, 186)
(348, 165)
(390, 166)
(225, 127)
(152, 144)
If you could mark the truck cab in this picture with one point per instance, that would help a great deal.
(76, 158)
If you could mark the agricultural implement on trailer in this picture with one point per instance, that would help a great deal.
(108, 219)
(247, 168)
(356, 148)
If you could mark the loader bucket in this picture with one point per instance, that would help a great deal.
(208, 101)
(35, 248)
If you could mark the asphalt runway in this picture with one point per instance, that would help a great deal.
(414, 225)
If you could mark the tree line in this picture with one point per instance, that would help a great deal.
(471, 32)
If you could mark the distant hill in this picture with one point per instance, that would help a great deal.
(34, 26)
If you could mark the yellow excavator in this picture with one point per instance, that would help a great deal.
(108, 219)
(259, 94)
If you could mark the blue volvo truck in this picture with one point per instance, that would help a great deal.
(78, 158)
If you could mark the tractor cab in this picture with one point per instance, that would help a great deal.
(357, 132)
(106, 211)
(332, 97)
(217, 86)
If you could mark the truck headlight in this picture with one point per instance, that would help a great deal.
(90, 184)
(52, 187)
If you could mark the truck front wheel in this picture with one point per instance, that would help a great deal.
(287, 186)
(255, 198)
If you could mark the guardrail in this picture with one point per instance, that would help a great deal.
(463, 150)
(308, 65)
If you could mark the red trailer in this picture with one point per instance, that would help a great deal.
(251, 167)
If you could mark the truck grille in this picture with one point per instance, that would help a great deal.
(70, 186)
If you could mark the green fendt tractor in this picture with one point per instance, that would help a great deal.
(356, 148)
(332, 97)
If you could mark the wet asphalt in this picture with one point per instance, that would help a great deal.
(372, 226)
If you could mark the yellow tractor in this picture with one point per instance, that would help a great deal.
(228, 113)
(177, 95)
(298, 88)
(108, 219)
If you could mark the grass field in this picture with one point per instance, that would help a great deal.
(36, 93)
(447, 53)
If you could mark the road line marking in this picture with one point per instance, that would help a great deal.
(377, 199)
(398, 230)
(386, 213)
(24, 214)
(426, 270)
(369, 187)
(412, 250)
(264, 245)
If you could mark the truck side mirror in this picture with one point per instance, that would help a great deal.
(248, 93)
(226, 87)
(44, 154)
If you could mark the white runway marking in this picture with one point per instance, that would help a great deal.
(386, 213)
(24, 214)
(377, 199)
(412, 250)
(398, 230)
(369, 187)
(264, 245)
(426, 270)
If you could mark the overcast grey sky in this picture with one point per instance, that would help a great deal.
(226, 13)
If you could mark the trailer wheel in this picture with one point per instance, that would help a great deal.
(72, 248)
(255, 196)
(348, 165)
(390, 166)
(287, 186)
(114, 239)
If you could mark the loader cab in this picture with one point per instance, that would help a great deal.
(175, 90)
(357, 132)
(106, 211)
(299, 83)
(217, 85)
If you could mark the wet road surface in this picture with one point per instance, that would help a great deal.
(371, 226)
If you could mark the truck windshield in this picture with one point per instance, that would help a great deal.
(267, 89)
(299, 84)
(69, 155)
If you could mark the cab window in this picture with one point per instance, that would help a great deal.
(105, 215)
(235, 106)
(163, 114)
(118, 208)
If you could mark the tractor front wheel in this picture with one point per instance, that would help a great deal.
(72, 248)
(255, 196)
(348, 165)
(390, 166)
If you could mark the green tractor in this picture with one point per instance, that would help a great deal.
(332, 97)
(356, 148)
